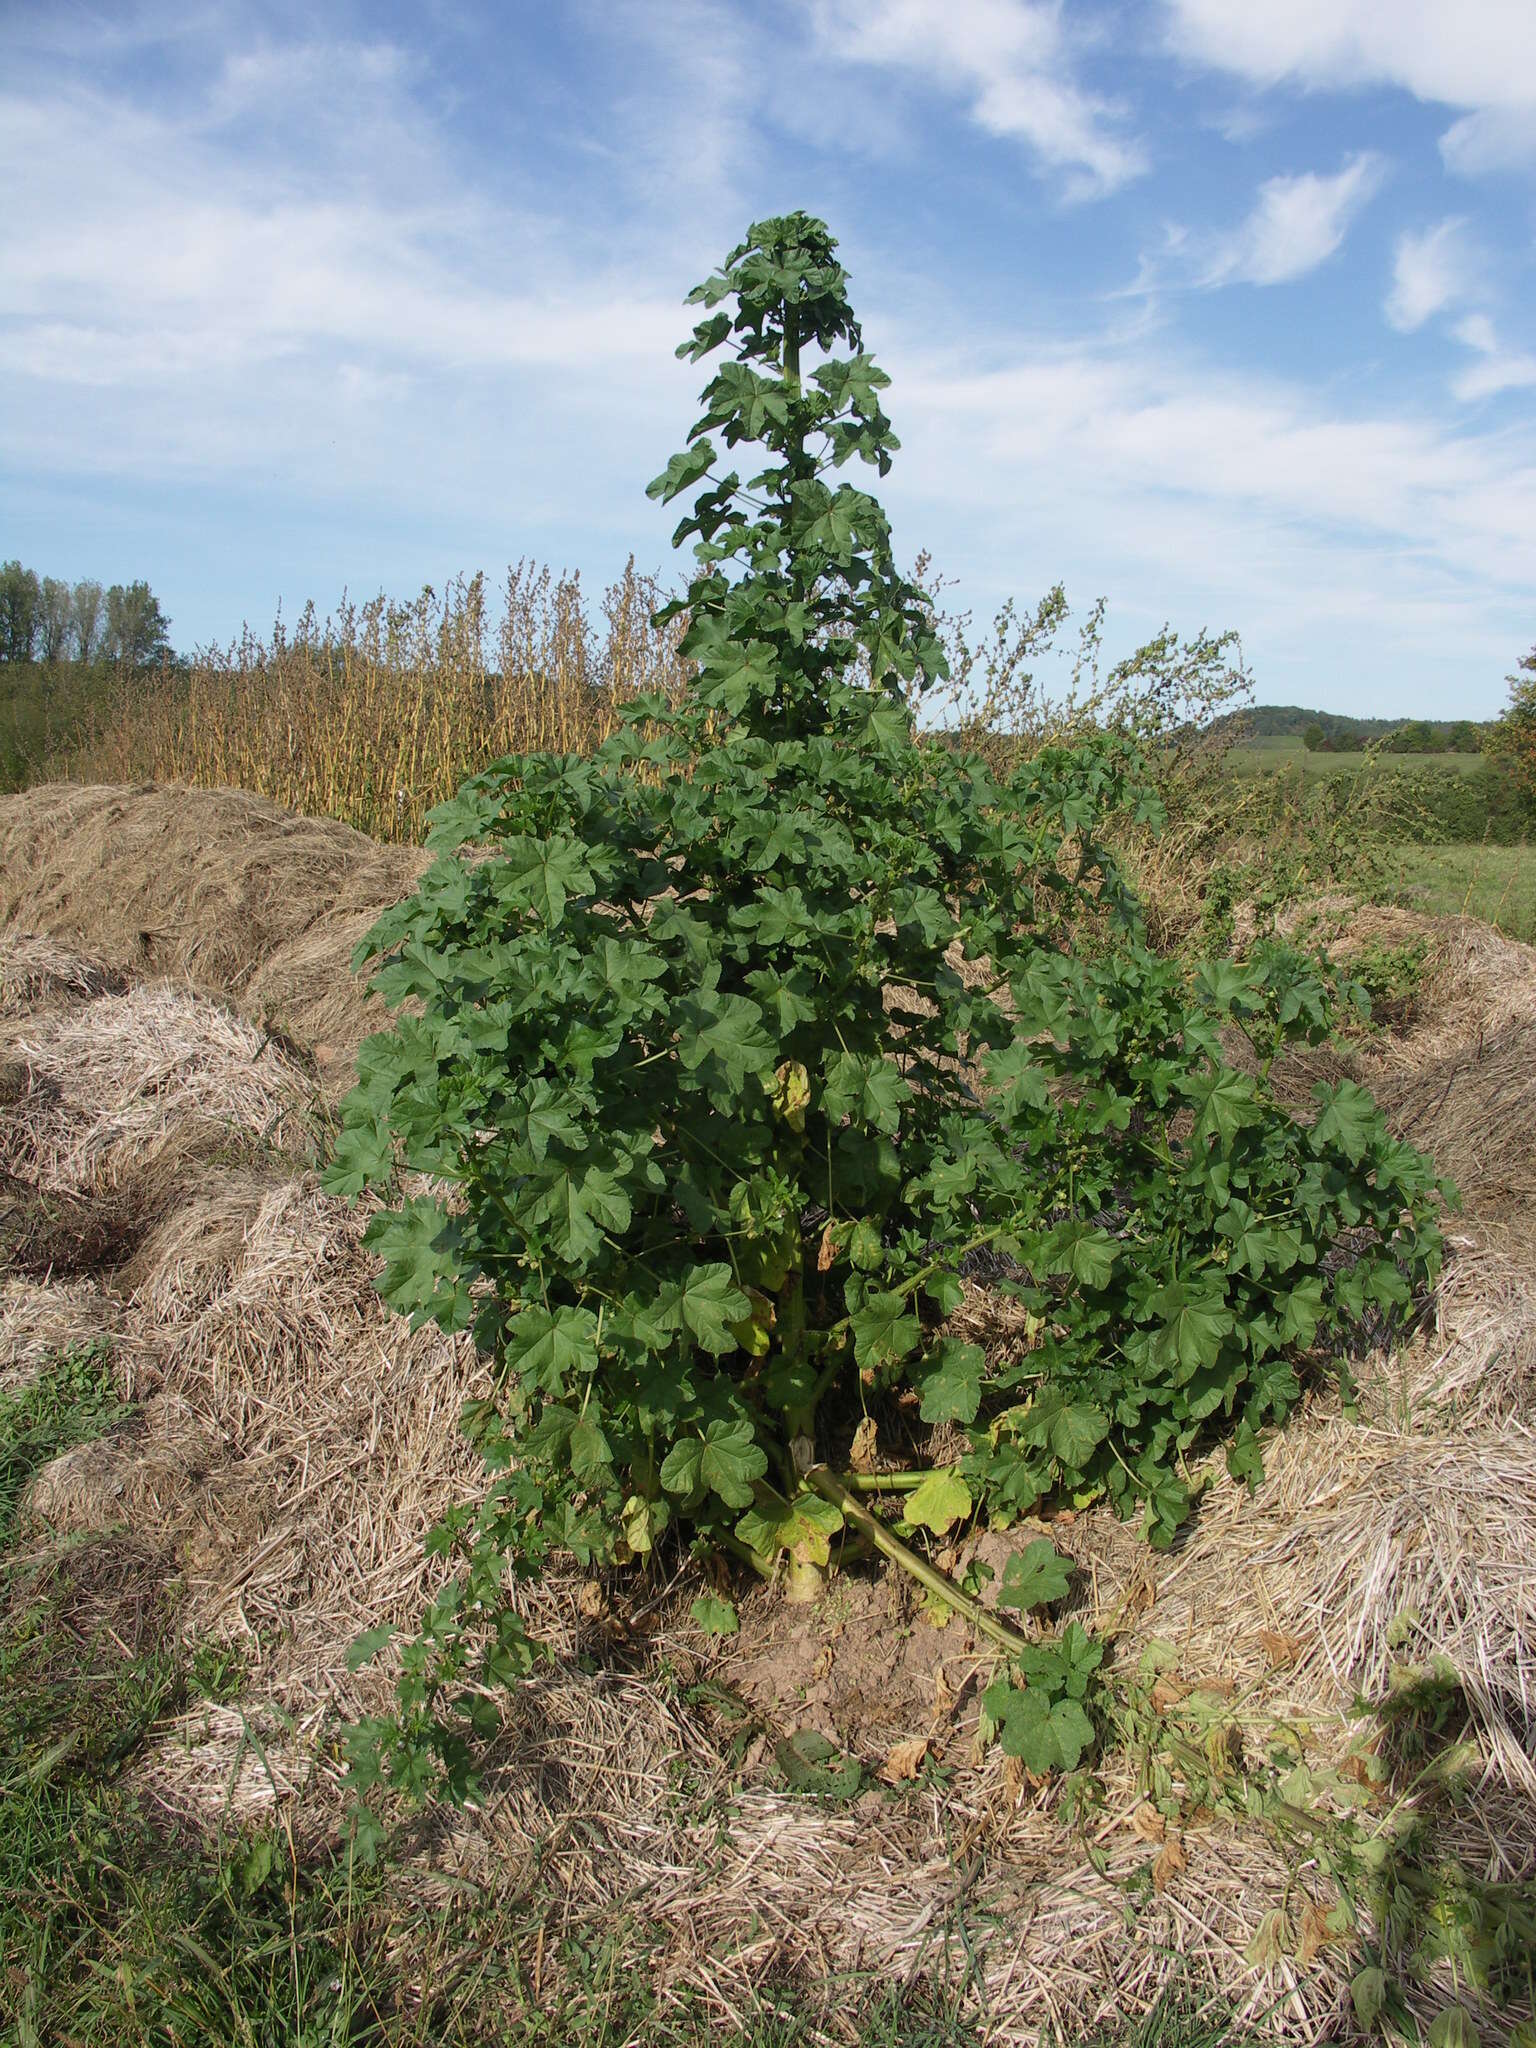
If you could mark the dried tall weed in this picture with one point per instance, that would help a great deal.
(379, 712)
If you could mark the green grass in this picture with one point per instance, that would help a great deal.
(1268, 755)
(1495, 883)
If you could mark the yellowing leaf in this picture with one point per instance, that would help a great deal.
(792, 1093)
(942, 1500)
(1271, 1942)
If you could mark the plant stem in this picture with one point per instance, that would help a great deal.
(928, 1576)
(883, 1482)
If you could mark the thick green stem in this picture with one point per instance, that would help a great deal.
(884, 1482)
(928, 1576)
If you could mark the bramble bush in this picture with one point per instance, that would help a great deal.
(728, 1047)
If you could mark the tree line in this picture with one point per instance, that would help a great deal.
(1416, 736)
(44, 619)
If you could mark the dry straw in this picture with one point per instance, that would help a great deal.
(294, 1441)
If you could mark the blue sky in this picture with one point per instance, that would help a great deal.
(1224, 311)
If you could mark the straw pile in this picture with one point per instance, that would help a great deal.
(214, 888)
(293, 1441)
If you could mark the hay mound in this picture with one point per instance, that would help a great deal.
(40, 1320)
(140, 1076)
(336, 1426)
(294, 1440)
(35, 972)
(212, 887)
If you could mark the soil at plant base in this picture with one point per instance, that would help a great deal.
(293, 1440)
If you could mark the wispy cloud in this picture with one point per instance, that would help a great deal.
(1497, 368)
(1220, 498)
(1432, 270)
(1296, 224)
(1010, 61)
(1493, 139)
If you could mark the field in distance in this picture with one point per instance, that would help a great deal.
(1272, 753)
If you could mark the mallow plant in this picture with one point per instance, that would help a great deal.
(724, 1054)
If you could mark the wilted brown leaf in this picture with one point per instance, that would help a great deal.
(905, 1760)
(826, 1252)
(1147, 1824)
(1170, 1861)
(1315, 1933)
(1167, 1692)
(1282, 1651)
(862, 1455)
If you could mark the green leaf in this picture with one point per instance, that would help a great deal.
(578, 1208)
(884, 1330)
(1074, 1430)
(814, 1765)
(716, 1617)
(1348, 1118)
(1454, 2028)
(590, 1452)
(546, 1347)
(1045, 1735)
(729, 1029)
(1195, 1326)
(363, 1157)
(706, 1302)
(1224, 1102)
(804, 1526)
(942, 1500)
(1021, 1082)
(416, 1245)
(870, 1090)
(1368, 1993)
(1035, 1576)
(364, 1648)
(1087, 1254)
(545, 873)
(952, 1387)
(723, 1461)
(681, 471)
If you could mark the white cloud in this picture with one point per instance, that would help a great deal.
(1468, 53)
(1370, 544)
(1011, 61)
(1495, 139)
(1479, 55)
(1499, 370)
(1431, 271)
(1296, 224)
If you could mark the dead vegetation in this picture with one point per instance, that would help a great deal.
(292, 1442)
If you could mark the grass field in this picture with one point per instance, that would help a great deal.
(1268, 755)
(1496, 883)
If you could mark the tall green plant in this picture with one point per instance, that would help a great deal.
(734, 1043)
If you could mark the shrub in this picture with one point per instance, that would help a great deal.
(735, 1044)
